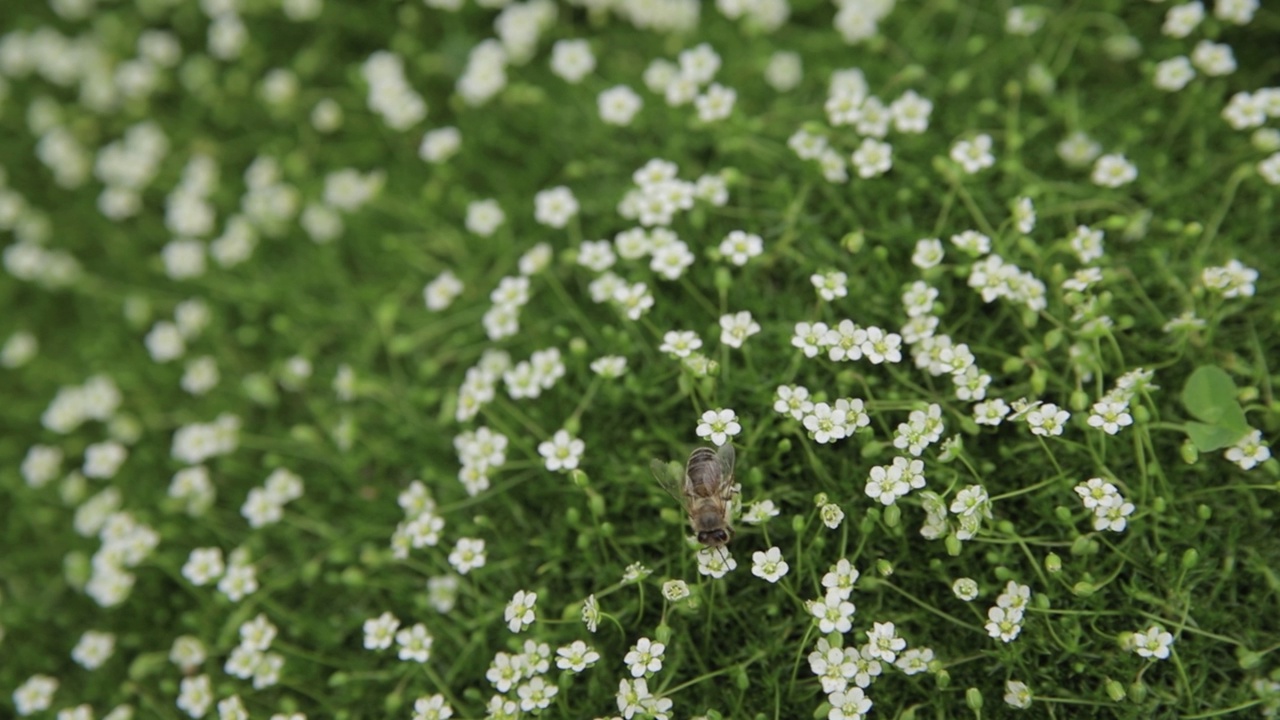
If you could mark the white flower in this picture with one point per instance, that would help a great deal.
(915, 660)
(716, 103)
(618, 105)
(1239, 12)
(379, 632)
(671, 260)
(715, 562)
(1047, 420)
(880, 347)
(554, 207)
(831, 515)
(195, 695)
(597, 255)
(1152, 642)
(102, 460)
(792, 400)
(1182, 19)
(536, 694)
(93, 649)
(759, 513)
(1112, 514)
(675, 590)
(1017, 694)
(1249, 451)
(841, 578)
(911, 112)
(468, 554)
(736, 328)
(415, 643)
(872, 158)
(1110, 415)
(562, 451)
(35, 694)
(739, 247)
(519, 612)
(203, 566)
(810, 337)
(973, 155)
(831, 285)
(826, 424)
(609, 366)
(928, 253)
(719, 425)
(784, 71)
(430, 708)
(1004, 623)
(883, 642)
(1086, 243)
(680, 343)
(572, 60)
(769, 565)
(1113, 171)
(437, 145)
(1173, 74)
(965, 588)
(576, 657)
(635, 300)
(834, 613)
(645, 657)
(848, 704)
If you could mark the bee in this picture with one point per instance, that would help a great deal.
(706, 492)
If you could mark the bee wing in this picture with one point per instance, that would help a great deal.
(670, 476)
(726, 455)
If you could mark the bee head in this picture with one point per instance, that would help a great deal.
(714, 538)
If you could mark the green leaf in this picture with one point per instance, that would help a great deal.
(1213, 437)
(1210, 395)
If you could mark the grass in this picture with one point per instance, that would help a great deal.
(1198, 556)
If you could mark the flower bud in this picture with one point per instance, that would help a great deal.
(1115, 690)
(973, 698)
(1053, 563)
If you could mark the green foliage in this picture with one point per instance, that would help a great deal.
(337, 373)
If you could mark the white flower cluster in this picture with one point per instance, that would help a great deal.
(1111, 412)
(97, 398)
(1232, 280)
(167, 341)
(690, 80)
(658, 195)
(643, 660)
(828, 423)
(520, 25)
(922, 429)
(524, 672)
(1005, 618)
(251, 658)
(887, 483)
(197, 442)
(413, 643)
(480, 452)
(390, 95)
(503, 318)
(265, 505)
(846, 672)
(268, 205)
(994, 278)
(970, 506)
(848, 341)
(421, 526)
(859, 20)
(125, 543)
(127, 166)
(528, 378)
(1110, 510)
(479, 385)
(485, 74)
(348, 190)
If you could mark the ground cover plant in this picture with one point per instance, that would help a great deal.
(341, 339)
